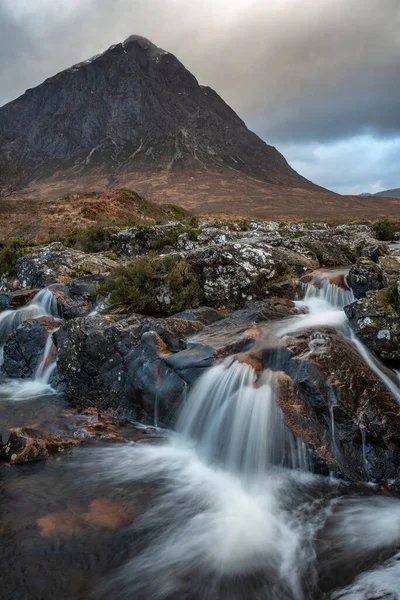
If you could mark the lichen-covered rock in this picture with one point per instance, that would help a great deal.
(27, 444)
(338, 246)
(143, 239)
(56, 264)
(366, 276)
(234, 273)
(24, 348)
(376, 321)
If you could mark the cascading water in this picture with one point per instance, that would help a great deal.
(236, 422)
(44, 304)
(236, 515)
(231, 510)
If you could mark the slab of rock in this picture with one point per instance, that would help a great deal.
(366, 276)
(57, 264)
(25, 346)
(376, 322)
(325, 378)
(142, 239)
(27, 444)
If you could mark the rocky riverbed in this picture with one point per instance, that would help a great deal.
(261, 330)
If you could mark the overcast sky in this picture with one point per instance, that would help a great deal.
(319, 79)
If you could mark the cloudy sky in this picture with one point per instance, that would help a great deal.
(318, 79)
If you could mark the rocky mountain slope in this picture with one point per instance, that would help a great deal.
(132, 112)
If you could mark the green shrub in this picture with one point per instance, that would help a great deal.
(143, 285)
(385, 229)
(97, 238)
(10, 252)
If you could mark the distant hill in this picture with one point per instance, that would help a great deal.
(386, 193)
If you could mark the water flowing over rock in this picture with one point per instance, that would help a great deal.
(25, 347)
(43, 304)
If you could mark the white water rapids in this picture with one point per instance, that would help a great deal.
(234, 510)
(237, 515)
(44, 304)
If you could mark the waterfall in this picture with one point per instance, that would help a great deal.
(47, 363)
(235, 421)
(330, 293)
(44, 304)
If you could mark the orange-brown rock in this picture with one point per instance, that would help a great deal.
(27, 444)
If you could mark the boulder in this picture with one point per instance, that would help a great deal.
(27, 444)
(231, 274)
(57, 264)
(142, 239)
(25, 346)
(145, 365)
(77, 298)
(366, 276)
(337, 404)
(376, 321)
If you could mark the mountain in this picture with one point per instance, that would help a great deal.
(389, 193)
(133, 115)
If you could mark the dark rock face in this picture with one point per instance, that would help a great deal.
(77, 297)
(144, 365)
(24, 348)
(366, 276)
(134, 108)
(377, 324)
(329, 380)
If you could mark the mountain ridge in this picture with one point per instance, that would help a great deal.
(131, 110)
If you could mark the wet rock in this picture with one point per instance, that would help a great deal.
(17, 299)
(77, 298)
(56, 264)
(376, 321)
(144, 365)
(97, 426)
(91, 354)
(205, 314)
(366, 276)
(24, 348)
(101, 513)
(26, 444)
(342, 409)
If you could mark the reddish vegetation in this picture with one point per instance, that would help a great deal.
(52, 209)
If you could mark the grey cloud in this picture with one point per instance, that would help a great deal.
(296, 70)
(299, 69)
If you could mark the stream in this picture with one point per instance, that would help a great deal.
(227, 508)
